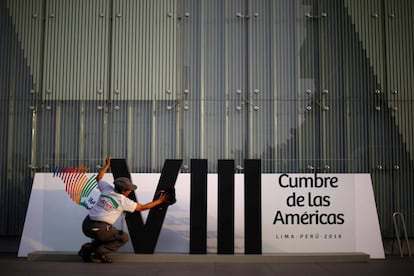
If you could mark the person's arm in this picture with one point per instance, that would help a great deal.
(104, 169)
(153, 204)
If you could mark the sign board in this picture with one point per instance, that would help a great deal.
(333, 213)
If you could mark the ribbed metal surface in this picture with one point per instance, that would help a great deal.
(298, 84)
(144, 53)
(27, 19)
(76, 50)
(381, 27)
(399, 101)
(16, 90)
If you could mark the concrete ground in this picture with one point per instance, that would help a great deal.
(392, 266)
(10, 264)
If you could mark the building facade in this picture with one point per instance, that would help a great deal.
(302, 85)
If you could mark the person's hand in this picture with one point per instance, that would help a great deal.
(104, 169)
(108, 161)
(163, 197)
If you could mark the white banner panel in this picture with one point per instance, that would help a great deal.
(301, 213)
(334, 213)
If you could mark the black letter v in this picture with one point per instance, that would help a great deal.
(144, 236)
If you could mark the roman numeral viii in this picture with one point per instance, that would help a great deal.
(144, 236)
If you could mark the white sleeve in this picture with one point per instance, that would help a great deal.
(128, 205)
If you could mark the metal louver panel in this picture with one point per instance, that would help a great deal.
(76, 50)
(144, 50)
(302, 85)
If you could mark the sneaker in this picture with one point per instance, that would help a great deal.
(98, 258)
(106, 259)
(86, 251)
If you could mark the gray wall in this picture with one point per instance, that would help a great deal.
(299, 84)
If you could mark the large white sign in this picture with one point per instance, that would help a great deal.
(336, 213)
(308, 213)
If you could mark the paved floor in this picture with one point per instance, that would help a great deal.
(391, 266)
(10, 264)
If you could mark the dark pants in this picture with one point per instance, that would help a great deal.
(106, 238)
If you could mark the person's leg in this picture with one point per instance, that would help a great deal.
(91, 229)
(106, 238)
(88, 248)
(110, 240)
(86, 251)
